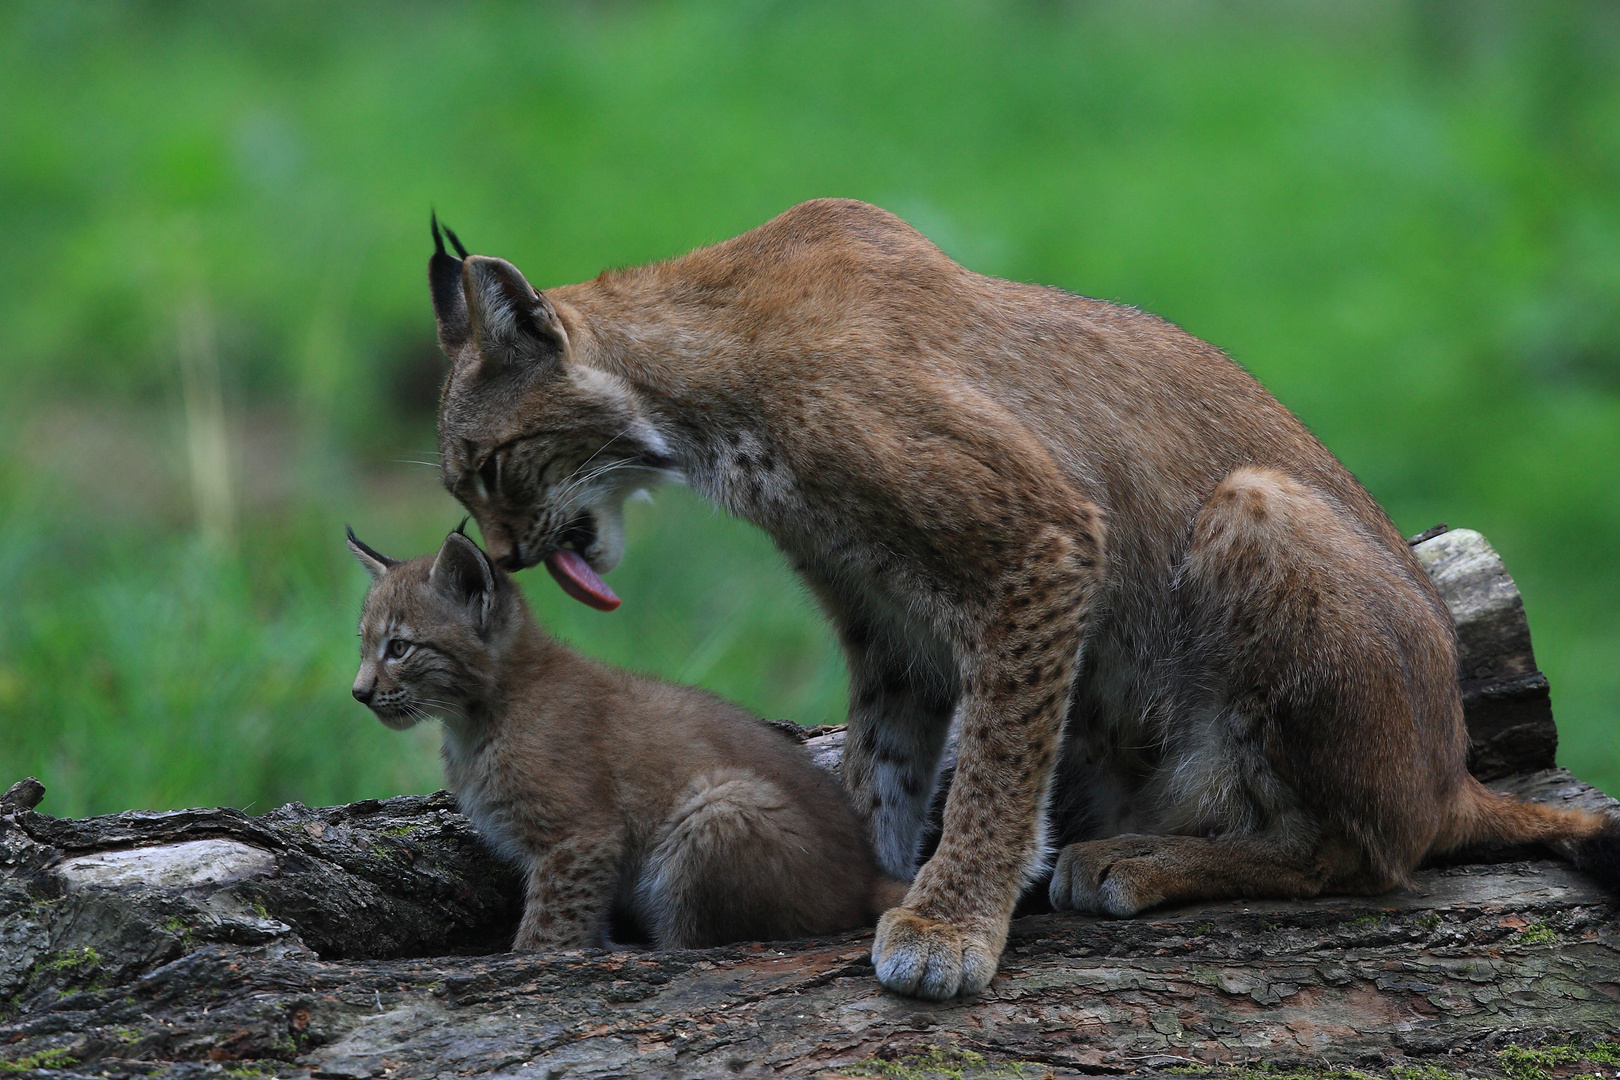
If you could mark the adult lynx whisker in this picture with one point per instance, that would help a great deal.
(570, 477)
(575, 480)
(603, 470)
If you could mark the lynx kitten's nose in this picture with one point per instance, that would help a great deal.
(362, 694)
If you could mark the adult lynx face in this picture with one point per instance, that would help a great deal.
(547, 483)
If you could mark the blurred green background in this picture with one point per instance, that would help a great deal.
(216, 345)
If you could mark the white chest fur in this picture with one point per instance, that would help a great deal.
(469, 768)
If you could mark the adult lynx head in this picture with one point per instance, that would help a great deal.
(541, 448)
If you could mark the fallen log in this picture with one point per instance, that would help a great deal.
(367, 940)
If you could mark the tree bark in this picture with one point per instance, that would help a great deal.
(366, 940)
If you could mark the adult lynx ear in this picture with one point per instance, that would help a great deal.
(512, 322)
(463, 576)
(374, 563)
(444, 282)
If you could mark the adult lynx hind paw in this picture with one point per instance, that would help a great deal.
(928, 959)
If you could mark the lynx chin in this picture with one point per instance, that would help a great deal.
(1183, 649)
(618, 794)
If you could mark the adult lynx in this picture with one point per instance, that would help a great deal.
(1178, 638)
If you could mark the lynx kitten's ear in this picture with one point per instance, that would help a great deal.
(444, 282)
(463, 576)
(374, 563)
(512, 323)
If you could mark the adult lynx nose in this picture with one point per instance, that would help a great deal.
(502, 550)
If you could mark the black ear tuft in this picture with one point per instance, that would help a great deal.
(455, 242)
(462, 528)
(444, 283)
(374, 562)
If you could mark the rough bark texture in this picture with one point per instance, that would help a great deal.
(364, 940)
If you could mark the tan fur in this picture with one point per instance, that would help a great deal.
(612, 790)
(1150, 601)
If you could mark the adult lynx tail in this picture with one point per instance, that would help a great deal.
(1590, 841)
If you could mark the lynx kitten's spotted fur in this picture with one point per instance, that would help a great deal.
(615, 792)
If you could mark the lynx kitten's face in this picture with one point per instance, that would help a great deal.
(423, 653)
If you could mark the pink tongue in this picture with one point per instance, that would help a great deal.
(578, 580)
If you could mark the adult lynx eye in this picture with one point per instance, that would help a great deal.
(398, 648)
(490, 472)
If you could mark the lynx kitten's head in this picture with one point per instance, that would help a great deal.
(432, 631)
(542, 449)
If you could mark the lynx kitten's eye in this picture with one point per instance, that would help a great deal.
(398, 648)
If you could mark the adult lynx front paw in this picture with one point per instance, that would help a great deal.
(929, 959)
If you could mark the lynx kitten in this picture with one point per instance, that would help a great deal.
(616, 793)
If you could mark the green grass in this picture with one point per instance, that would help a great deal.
(944, 1063)
(1534, 1063)
(58, 1058)
(1266, 1071)
(1404, 218)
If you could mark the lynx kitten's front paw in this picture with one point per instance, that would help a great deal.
(929, 959)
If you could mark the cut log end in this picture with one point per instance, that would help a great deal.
(1506, 701)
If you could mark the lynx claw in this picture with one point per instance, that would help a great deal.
(927, 959)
